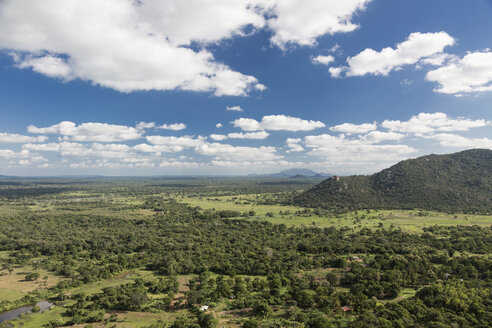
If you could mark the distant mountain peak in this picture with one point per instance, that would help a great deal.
(296, 173)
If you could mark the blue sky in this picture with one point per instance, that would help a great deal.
(237, 87)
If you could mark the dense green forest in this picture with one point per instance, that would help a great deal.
(138, 253)
(460, 182)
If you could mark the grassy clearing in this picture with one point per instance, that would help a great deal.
(138, 319)
(407, 220)
(405, 293)
(13, 286)
(240, 203)
(10, 295)
(123, 278)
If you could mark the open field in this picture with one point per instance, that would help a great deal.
(14, 286)
(407, 220)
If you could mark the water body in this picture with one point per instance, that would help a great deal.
(15, 313)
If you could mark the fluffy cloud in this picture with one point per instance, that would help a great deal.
(81, 150)
(293, 145)
(432, 122)
(354, 148)
(234, 108)
(350, 128)
(126, 45)
(177, 142)
(217, 19)
(101, 132)
(323, 60)
(218, 125)
(34, 160)
(173, 127)
(341, 149)
(19, 138)
(438, 59)
(9, 154)
(416, 47)
(301, 22)
(158, 149)
(454, 140)
(225, 152)
(180, 163)
(218, 137)
(378, 136)
(472, 73)
(249, 135)
(48, 65)
(146, 45)
(145, 125)
(288, 123)
(148, 125)
(247, 124)
(102, 163)
(277, 123)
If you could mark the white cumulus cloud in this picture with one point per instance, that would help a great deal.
(418, 46)
(260, 135)
(339, 150)
(10, 154)
(81, 150)
(302, 22)
(249, 135)
(350, 128)
(293, 145)
(146, 45)
(173, 127)
(218, 137)
(48, 65)
(472, 73)
(183, 142)
(454, 140)
(127, 45)
(378, 136)
(432, 122)
(19, 138)
(101, 132)
(234, 108)
(277, 123)
(145, 125)
(225, 152)
(323, 60)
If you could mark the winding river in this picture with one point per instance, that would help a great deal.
(15, 313)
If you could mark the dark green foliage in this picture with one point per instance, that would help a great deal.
(207, 321)
(185, 322)
(252, 323)
(442, 305)
(228, 214)
(262, 310)
(32, 276)
(272, 275)
(460, 182)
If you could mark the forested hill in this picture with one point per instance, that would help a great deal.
(459, 182)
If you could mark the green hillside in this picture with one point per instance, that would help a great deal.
(459, 182)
